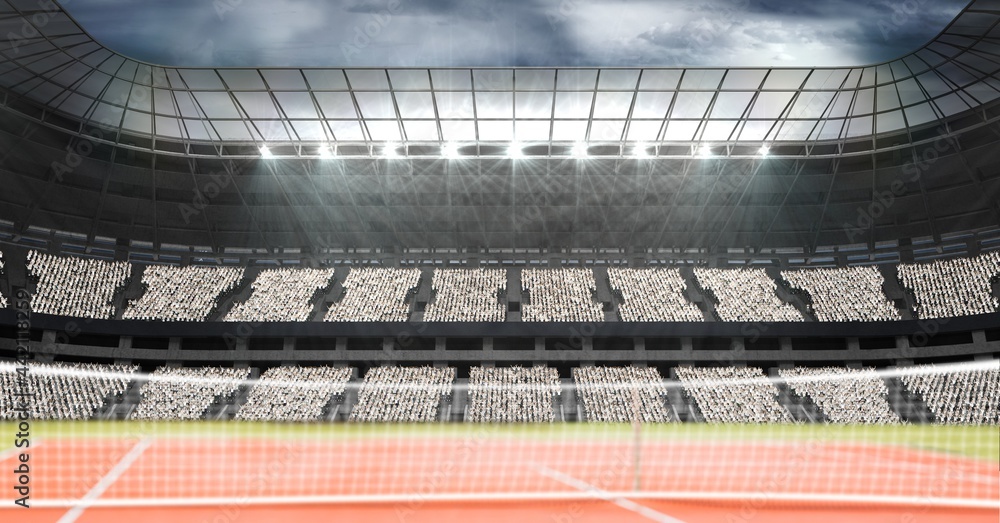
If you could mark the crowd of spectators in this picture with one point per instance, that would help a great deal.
(733, 394)
(375, 294)
(65, 391)
(652, 295)
(622, 394)
(182, 293)
(3, 299)
(560, 295)
(468, 295)
(281, 295)
(185, 393)
(952, 288)
(293, 393)
(745, 295)
(966, 397)
(855, 396)
(844, 294)
(78, 287)
(512, 394)
(402, 394)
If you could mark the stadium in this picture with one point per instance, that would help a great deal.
(564, 294)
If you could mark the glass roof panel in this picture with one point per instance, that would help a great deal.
(612, 105)
(951, 104)
(933, 84)
(117, 92)
(458, 130)
(454, 105)
(909, 92)
(451, 80)
(618, 79)
(853, 79)
(367, 79)
(296, 104)
(531, 130)
(271, 130)
(920, 114)
(495, 104)
(983, 92)
(702, 79)
(336, 105)
(607, 130)
(867, 77)
(533, 105)
(96, 58)
(140, 98)
(415, 104)
(718, 130)
(257, 105)
(796, 130)
(883, 74)
(956, 74)
(534, 79)
(861, 126)
(691, 105)
(864, 102)
(216, 105)
(107, 115)
(199, 130)
(110, 65)
(493, 79)
(346, 130)
(309, 130)
(126, 71)
(841, 105)
(743, 79)
(421, 130)
(652, 104)
(889, 122)
(932, 58)
(659, 79)
(198, 79)
(242, 79)
(756, 130)
(94, 84)
(375, 104)
(231, 130)
(644, 130)
(496, 130)
(144, 75)
(383, 131)
(574, 104)
(899, 70)
(731, 104)
(915, 65)
(680, 130)
(169, 127)
(576, 79)
(569, 130)
(410, 79)
(284, 79)
(830, 129)
(76, 105)
(186, 104)
(770, 105)
(811, 105)
(827, 78)
(886, 98)
(325, 79)
(785, 79)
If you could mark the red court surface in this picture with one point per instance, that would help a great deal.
(224, 480)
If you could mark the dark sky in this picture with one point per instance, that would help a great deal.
(441, 33)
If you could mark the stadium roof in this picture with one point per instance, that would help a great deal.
(695, 157)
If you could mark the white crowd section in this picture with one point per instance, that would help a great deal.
(967, 397)
(653, 295)
(733, 394)
(622, 394)
(845, 294)
(375, 294)
(951, 288)
(182, 293)
(745, 295)
(185, 393)
(3, 299)
(844, 395)
(468, 295)
(560, 295)
(293, 393)
(78, 287)
(512, 394)
(281, 295)
(62, 391)
(402, 394)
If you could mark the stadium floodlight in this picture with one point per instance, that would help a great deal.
(515, 150)
(580, 150)
(641, 150)
(325, 152)
(450, 150)
(265, 152)
(705, 151)
(764, 150)
(390, 150)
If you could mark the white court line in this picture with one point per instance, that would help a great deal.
(14, 451)
(624, 503)
(106, 481)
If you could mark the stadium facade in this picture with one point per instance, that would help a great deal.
(110, 158)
